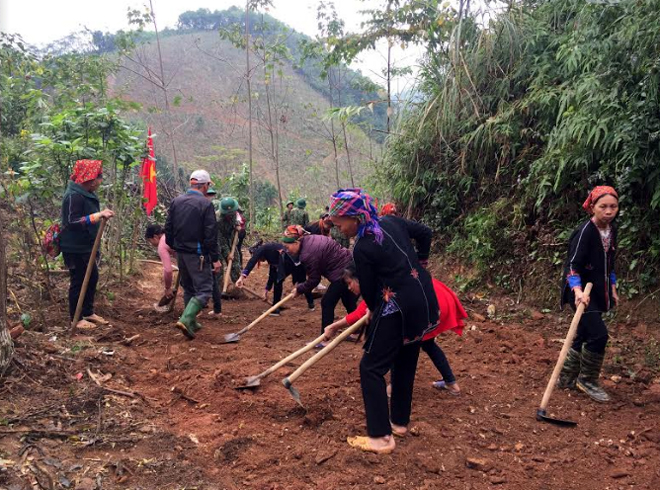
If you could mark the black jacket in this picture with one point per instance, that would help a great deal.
(78, 234)
(390, 271)
(191, 226)
(587, 258)
(270, 252)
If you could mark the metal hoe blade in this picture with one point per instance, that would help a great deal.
(542, 417)
(251, 383)
(230, 338)
(293, 391)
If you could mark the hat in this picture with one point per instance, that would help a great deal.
(290, 202)
(301, 203)
(228, 205)
(211, 192)
(293, 233)
(200, 177)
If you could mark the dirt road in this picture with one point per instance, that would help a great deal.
(174, 419)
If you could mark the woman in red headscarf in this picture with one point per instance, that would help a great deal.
(590, 258)
(81, 216)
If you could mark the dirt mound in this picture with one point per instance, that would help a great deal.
(163, 412)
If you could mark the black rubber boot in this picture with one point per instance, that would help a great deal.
(589, 374)
(570, 370)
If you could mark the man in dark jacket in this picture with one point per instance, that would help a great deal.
(322, 256)
(191, 230)
(81, 217)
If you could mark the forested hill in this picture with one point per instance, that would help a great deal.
(207, 93)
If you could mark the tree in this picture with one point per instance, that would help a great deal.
(6, 343)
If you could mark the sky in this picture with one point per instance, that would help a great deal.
(42, 21)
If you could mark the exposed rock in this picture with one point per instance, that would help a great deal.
(480, 464)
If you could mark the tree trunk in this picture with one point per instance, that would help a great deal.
(249, 94)
(6, 344)
(163, 86)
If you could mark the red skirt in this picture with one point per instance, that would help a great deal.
(452, 312)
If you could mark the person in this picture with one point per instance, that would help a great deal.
(191, 231)
(81, 217)
(325, 227)
(241, 222)
(402, 309)
(280, 266)
(452, 315)
(321, 256)
(155, 235)
(591, 254)
(228, 226)
(298, 215)
(216, 311)
(286, 217)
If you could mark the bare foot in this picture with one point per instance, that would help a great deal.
(378, 445)
(399, 430)
(99, 320)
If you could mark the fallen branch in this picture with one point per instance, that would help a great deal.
(147, 261)
(129, 394)
(129, 340)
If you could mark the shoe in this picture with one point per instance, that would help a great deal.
(311, 307)
(321, 345)
(85, 325)
(275, 313)
(188, 323)
(450, 387)
(587, 381)
(570, 370)
(362, 442)
(213, 313)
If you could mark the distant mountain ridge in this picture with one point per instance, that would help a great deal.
(208, 99)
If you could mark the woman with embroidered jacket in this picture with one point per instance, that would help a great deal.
(402, 309)
(81, 216)
(591, 254)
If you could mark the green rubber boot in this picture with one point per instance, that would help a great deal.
(570, 370)
(188, 321)
(589, 374)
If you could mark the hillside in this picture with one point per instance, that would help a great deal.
(209, 103)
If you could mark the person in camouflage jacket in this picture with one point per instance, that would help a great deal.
(227, 226)
(298, 215)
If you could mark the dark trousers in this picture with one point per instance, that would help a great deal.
(385, 352)
(439, 360)
(592, 332)
(195, 283)
(336, 291)
(217, 294)
(77, 265)
(280, 272)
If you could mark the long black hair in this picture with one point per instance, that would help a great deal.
(153, 230)
(350, 272)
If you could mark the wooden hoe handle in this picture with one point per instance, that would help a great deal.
(564, 350)
(266, 313)
(230, 261)
(292, 356)
(88, 273)
(326, 350)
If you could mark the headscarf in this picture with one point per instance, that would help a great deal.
(387, 209)
(86, 170)
(597, 193)
(356, 202)
(293, 233)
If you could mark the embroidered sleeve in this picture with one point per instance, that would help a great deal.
(76, 220)
(574, 280)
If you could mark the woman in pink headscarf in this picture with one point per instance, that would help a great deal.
(591, 257)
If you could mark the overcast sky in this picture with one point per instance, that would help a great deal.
(42, 21)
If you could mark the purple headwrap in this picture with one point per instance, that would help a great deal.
(356, 202)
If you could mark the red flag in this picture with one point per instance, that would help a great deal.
(148, 174)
